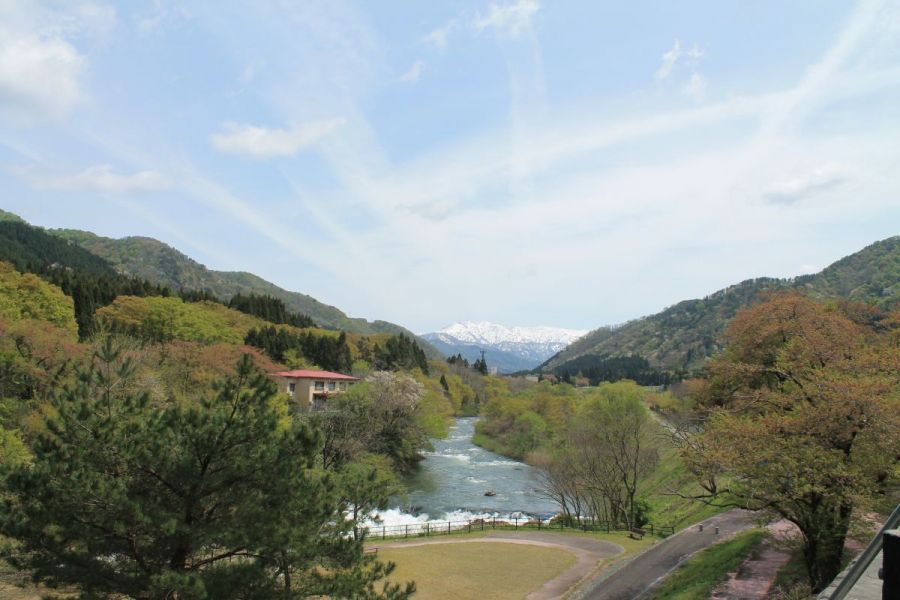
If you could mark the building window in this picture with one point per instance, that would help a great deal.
(343, 387)
(332, 386)
(292, 387)
(320, 386)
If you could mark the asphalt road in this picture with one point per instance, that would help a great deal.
(636, 578)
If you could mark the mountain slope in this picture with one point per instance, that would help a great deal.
(680, 338)
(509, 349)
(157, 262)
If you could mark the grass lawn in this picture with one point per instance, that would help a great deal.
(15, 586)
(488, 570)
(696, 578)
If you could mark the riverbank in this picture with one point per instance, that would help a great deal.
(453, 481)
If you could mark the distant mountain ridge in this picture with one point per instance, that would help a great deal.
(509, 349)
(680, 338)
(154, 261)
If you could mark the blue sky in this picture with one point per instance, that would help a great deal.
(526, 162)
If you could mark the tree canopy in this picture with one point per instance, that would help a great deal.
(803, 418)
(217, 498)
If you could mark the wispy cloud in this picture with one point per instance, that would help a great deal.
(414, 72)
(801, 185)
(162, 12)
(262, 142)
(696, 86)
(99, 178)
(511, 19)
(668, 61)
(440, 36)
(675, 55)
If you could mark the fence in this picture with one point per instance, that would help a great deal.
(429, 528)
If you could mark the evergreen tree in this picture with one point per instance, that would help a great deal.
(400, 352)
(326, 351)
(480, 365)
(269, 309)
(215, 499)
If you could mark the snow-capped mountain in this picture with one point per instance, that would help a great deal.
(507, 348)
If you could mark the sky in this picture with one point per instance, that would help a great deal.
(527, 162)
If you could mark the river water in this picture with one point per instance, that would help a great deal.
(451, 482)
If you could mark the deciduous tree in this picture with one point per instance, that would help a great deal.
(804, 419)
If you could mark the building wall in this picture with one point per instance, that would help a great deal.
(303, 396)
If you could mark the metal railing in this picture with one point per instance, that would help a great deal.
(430, 528)
(859, 565)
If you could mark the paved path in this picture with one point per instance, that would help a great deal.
(637, 576)
(588, 552)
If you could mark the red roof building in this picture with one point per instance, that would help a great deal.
(310, 389)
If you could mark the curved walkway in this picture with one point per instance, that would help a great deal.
(636, 577)
(587, 553)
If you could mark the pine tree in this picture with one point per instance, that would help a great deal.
(212, 499)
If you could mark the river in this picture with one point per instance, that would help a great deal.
(451, 482)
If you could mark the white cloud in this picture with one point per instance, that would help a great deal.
(695, 53)
(39, 77)
(161, 13)
(791, 189)
(511, 19)
(696, 86)
(41, 68)
(438, 38)
(99, 178)
(414, 72)
(668, 61)
(261, 142)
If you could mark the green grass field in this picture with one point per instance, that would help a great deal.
(485, 570)
(696, 578)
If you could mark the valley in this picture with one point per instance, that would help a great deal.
(586, 433)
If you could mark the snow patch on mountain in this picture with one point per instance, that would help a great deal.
(513, 348)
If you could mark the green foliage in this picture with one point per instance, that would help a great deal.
(29, 247)
(480, 365)
(598, 369)
(13, 451)
(523, 422)
(269, 308)
(326, 351)
(400, 352)
(212, 499)
(697, 578)
(89, 280)
(154, 261)
(28, 297)
(160, 319)
(678, 340)
(382, 415)
(458, 360)
(8, 216)
(802, 419)
(34, 356)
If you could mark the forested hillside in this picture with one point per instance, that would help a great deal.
(678, 340)
(173, 417)
(157, 262)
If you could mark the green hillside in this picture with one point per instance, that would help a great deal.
(27, 296)
(680, 338)
(157, 262)
(161, 318)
